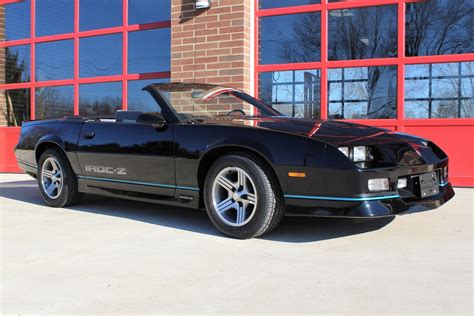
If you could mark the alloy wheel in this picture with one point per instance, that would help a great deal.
(52, 178)
(234, 196)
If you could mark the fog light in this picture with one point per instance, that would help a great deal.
(379, 184)
(402, 183)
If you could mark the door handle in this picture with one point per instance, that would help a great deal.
(89, 135)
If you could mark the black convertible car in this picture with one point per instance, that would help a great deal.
(218, 148)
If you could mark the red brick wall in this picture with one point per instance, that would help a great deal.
(213, 45)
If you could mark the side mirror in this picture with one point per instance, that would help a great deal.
(155, 119)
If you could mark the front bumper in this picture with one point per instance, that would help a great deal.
(366, 207)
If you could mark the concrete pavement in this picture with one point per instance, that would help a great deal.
(115, 256)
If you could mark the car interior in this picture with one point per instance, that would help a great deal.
(124, 116)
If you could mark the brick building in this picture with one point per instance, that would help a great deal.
(406, 65)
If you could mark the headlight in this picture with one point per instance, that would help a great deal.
(345, 151)
(359, 154)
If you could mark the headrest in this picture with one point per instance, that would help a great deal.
(127, 116)
(150, 118)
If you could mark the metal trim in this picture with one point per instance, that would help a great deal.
(347, 199)
(151, 184)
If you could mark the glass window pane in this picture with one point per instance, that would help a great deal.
(335, 110)
(439, 90)
(100, 14)
(467, 69)
(444, 87)
(17, 21)
(335, 74)
(418, 88)
(290, 38)
(362, 33)
(14, 107)
(467, 87)
(149, 51)
(362, 93)
(100, 98)
(54, 102)
(416, 71)
(467, 107)
(284, 108)
(355, 89)
(100, 56)
(294, 93)
(54, 17)
(335, 93)
(444, 109)
(139, 100)
(148, 11)
(417, 109)
(17, 64)
(55, 60)
(439, 27)
(269, 4)
(448, 69)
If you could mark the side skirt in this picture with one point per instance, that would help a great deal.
(182, 198)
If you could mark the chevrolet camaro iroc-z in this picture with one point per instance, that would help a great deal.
(219, 149)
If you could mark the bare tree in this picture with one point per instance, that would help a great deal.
(306, 43)
(437, 27)
(363, 33)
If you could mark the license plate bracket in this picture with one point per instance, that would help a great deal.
(429, 184)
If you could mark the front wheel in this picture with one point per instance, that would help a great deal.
(242, 197)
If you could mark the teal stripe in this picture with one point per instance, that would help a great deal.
(443, 184)
(347, 199)
(187, 188)
(150, 184)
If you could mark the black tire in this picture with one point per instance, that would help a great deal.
(270, 206)
(69, 194)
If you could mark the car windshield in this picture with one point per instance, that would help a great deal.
(204, 101)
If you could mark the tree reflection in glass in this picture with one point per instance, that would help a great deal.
(439, 90)
(362, 93)
(438, 27)
(362, 33)
(290, 38)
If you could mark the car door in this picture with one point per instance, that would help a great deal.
(128, 156)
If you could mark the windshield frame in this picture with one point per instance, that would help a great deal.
(170, 113)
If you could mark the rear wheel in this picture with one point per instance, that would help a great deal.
(242, 197)
(56, 179)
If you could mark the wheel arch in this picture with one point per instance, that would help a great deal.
(208, 159)
(46, 144)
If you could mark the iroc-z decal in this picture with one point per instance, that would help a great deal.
(104, 169)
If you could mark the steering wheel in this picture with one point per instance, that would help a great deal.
(236, 111)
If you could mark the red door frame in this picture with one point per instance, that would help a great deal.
(400, 123)
(7, 133)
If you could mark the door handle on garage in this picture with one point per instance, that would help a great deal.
(89, 135)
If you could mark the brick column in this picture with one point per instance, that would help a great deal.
(213, 45)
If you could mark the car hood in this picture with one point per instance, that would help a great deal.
(336, 133)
